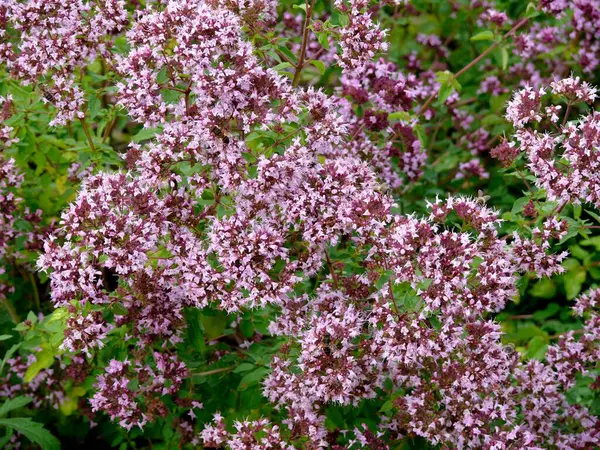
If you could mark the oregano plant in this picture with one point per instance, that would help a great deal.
(296, 224)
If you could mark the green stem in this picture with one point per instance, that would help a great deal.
(36, 292)
(11, 311)
(86, 130)
(214, 371)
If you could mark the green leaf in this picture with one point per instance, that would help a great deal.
(118, 309)
(343, 20)
(194, 330)
(551, 310)
(44, 359)
(247, 328)
(336, 417)
(400, 115)
(287, 52)
(146, 133)
(6, 439)
(162, 76)
(444, 77)
(526, 332)
(32, 317)
(537, 348)
(244, 367)
(214, 325)
(4, 337)
(445, 92)
(15, 403)
(33, 431)
(253, 378)
(94, 106)
(519, 204)
(574, 228)
(301, 6)
(8, 355)
(593, 241)
(531, 11)
(58, 314)
(69, 405)
(574, 280)
(387, 406)
(504, 58)
(486, 35)
(323, 39)
(593, 214)
(544, 288)
(319, 65)
(448, 84)
(578, 252)
(283, 65)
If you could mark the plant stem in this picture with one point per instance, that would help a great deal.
(357, 132)
(558, 335)
(464, 102)
(567, 112)
(86, 130)
(109, 129)
(36, 293)
(390, 284)
(559, 208)
(214, 371)
(489, 143)
(487, 51)
(331, 270)
(187, 99)
(521, 317)
(435, 133)
(305, 30)
(11, 311)
(527, 185)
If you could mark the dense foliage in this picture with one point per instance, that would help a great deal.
(300, 225)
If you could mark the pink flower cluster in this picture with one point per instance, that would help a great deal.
(211, 68)
(362, 39)
(7, 107)
(46, 388)
(12, 211)
(582, 25)
(573, 356)
(48, 41)
(249, 435)
(381, 89)
(563, 155)
(137, 407)
(432, 341)
(10, 181)
(139, 242)
(84, 333)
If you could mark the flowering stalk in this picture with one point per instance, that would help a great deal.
(305, 30)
